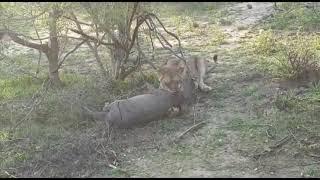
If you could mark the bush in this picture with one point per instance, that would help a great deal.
(217, 36)
(295, 15)
(183, 24)
(265, 43)
(290, 57)
(299, 58)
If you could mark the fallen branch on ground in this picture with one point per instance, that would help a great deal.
(256, 125)
(119, 169)
(190, 129)
(10, 175)
(273, 147)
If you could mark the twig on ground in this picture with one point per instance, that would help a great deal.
(281, 142)
(295, 138)
(190, 129)
(273, 147)
(10, 175)
(240, 125)
(119, 169)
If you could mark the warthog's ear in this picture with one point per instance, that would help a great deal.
(215, 58)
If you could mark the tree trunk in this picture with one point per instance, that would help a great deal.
(53, 66)
(53, 52)
(118, 54)
(51, 49)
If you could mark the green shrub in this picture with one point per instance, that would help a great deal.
(295, 15)
(265, 43)
(217, 36)
(18, 87)
(291, 57)
(299, 57)
(183, 24)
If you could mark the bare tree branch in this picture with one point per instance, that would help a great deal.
(135, 32)
(156, 30)
(15, 38)
(102, 38)
(135, 6)
(75, 20)
(26, 19)
(92, 38)
(40, 52)
(36, 39)
(74, 49)
(96, 45)
(170, 33)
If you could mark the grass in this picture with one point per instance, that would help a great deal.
(217, 36)
(186, 24)
(287, 113)
(26, 86)
(18, 87)
(312, 171)
(50, 123)
(293, 17)
(249, 91)
(55, 124)
(283, 56)
(222, 91)
(174, 159)
(191, 8)
(242, 27)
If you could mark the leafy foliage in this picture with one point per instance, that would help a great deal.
(295, 15)
(293, 57)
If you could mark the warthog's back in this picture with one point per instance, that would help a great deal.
(141, 109)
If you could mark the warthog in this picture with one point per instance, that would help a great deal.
(138, 110)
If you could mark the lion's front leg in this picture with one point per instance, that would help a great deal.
(201, 67)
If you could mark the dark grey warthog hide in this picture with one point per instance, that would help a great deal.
(139, 109)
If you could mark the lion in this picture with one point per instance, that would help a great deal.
(175, 76)
(173, 72)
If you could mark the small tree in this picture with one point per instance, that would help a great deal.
(121, 22)
(17, 17)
